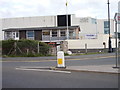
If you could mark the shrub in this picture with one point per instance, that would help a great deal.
(24, 47)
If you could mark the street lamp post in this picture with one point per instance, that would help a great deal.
(109, 41)
(67, 20)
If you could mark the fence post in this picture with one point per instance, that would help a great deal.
(104, 44)
(15, 47)
(85, 48)
(27, 51)
(38, 47)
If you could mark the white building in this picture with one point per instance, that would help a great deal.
(94, 33)
(86, 30)
(1, 29)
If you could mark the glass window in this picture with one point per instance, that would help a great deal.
(94, 21)
(106, 27)
(54, 33)
(106, 30)
(8, 35)
(71, 33)
(17, 34)
(62, 33)
(13, 35)
(46, 33)
(30, 35)
(106, 24)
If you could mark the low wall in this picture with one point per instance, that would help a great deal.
(91, 43)
(90, 50)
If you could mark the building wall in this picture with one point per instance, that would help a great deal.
(24, 22)
(1, 29)
(38, 35)
(91, 26)
(119, 12)
(91, 43)
(85, 23)
(100, 26)
(22, 34)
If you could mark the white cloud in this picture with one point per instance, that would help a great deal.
(84, 13)
(92, 8)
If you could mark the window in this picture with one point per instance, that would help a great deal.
(12, 35)
(54, 33)
(62, 33)
(71, 33)
(17, 34)
(62, 20)
(106, 24)
(94, 21)
(106, 27)
(46, 33)
(30, 35)
(106, 30)
(8, 35)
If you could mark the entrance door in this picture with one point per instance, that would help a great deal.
(15, 35)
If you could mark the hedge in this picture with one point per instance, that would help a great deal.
(24, 47)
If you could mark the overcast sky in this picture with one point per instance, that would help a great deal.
(82, 8)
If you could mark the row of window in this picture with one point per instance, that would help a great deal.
(12, 35)
(56, 33)
(45, 33)
(30, 34)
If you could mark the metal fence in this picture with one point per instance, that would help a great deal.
(23, 48)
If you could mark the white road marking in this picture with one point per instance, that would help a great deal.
(43, 70)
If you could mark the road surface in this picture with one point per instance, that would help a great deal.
(14, 78)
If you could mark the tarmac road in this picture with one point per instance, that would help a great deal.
(14, 78)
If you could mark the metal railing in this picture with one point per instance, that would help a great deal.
(48, 38)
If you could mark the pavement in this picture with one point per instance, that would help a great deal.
(95, 68)
(90, 68)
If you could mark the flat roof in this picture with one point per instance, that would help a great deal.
(41, 28)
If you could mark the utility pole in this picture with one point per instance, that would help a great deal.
(67, 33)
(109, 41)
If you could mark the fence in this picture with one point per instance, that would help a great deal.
(24, 47)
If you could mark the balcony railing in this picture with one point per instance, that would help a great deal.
(48, 38)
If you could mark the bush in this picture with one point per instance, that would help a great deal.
(7, 46)
(24, 47)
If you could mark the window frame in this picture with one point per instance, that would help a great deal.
(46, 31)
(61, 34)
(55, 34)
(30, 37)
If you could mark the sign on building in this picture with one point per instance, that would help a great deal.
(84, 20)
(91, 36)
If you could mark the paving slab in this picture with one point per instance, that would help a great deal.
(95, 68)
(89, 68)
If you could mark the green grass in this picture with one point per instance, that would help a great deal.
(24, 55)
(40, 55)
